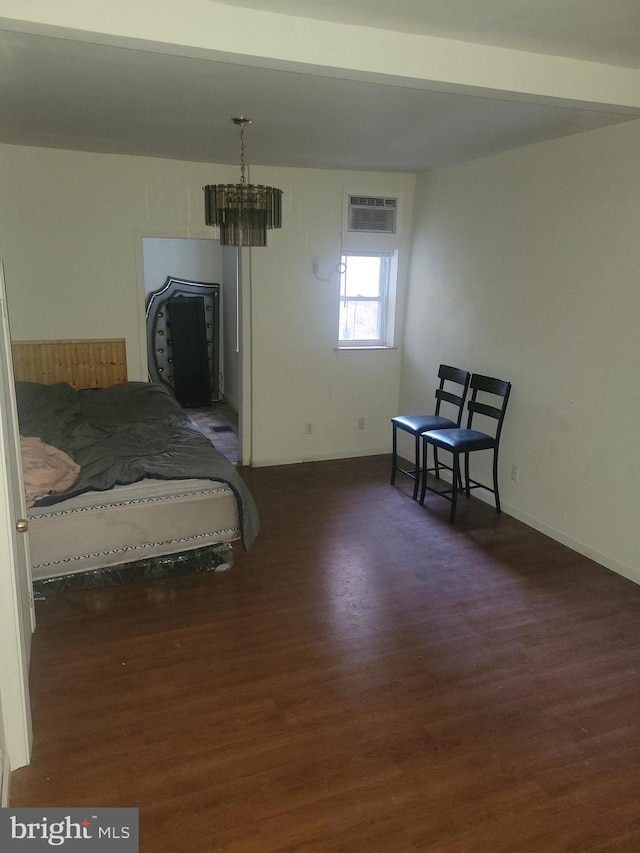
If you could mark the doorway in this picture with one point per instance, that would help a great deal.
(205, 261)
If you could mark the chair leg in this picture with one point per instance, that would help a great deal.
(423, 473)
(495, 480)
(466, 476)
(394, 454)
(436, 466)
(454, 486)
(416, 467)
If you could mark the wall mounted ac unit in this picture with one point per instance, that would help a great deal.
(372, 214)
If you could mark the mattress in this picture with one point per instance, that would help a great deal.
(125, 524)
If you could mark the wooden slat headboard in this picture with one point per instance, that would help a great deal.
(82, 363)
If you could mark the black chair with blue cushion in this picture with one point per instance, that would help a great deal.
(452, 390)
(489, 397)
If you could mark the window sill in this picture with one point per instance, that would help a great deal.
(365, 349)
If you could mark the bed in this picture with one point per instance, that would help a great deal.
(149, 494)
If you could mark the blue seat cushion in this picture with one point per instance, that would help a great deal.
(420, 423)
(459, 440)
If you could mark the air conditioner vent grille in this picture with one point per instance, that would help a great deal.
(372, 214)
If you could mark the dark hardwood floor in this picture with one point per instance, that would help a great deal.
(367, 678)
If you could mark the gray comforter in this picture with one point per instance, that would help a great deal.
(123, 434)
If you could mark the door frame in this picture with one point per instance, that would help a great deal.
(17, 614)
(244, 331)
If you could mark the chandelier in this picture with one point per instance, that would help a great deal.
(243, 211)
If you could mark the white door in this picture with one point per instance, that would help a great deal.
(17, 618)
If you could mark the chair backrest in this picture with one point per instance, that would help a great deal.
(498, 391)
(457, 377)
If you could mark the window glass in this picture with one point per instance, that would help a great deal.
(364, 286)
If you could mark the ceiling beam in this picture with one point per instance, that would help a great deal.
(207, 29)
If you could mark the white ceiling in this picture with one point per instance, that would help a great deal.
(78, 93)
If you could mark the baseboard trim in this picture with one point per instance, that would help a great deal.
(580, 547)
(319, 457)
(627, 572)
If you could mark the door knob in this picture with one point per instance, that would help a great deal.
(22, 525)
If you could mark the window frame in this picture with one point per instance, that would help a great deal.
(382, 299)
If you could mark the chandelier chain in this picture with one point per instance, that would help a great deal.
(243, 179)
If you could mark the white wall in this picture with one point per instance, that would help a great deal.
(526, 266)
(71, 225)
(299, 376)
(193, 260)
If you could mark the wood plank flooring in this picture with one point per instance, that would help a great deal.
(367, 678)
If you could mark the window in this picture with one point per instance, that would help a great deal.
(364, 298)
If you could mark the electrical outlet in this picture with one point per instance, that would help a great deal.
(515, 473)
(360, 423)
(308, 429)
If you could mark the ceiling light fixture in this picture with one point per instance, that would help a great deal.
(243, 211)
